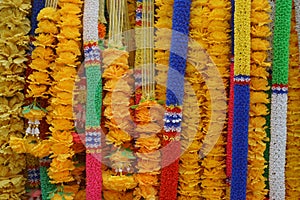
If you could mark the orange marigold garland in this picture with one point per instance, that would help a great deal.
(293, 115)
(117, 181)
(256, 187)
(60, 110)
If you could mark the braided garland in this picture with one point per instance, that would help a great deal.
(93, 106)
(279, 99)
(241, 99)
(174, 99)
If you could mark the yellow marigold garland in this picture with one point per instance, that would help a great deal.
(293, 115)
(208, 16)
(60, 110)
(14, 42)
(256, 187)
(149, 121)
(117, 90)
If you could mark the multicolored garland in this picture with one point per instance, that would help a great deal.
(282, 28)
(174, 100)
(93, 101)
(242, 45)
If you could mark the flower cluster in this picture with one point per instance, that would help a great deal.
(258, 102)
(14, 42)
(63, 73)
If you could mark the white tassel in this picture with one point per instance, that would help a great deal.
(33, 131)
(36, 131)
(37, 122)
(28, 130)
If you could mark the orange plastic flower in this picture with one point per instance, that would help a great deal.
(42, 149)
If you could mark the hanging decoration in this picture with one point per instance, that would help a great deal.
(174, 100)
(230, 105)
(242, 44)
(292, 176)
(93, 101)
(14, 44)
(279, 99)
(147, 109)
(162, 107)
(60, 115)
(119, 180)
(259, 98)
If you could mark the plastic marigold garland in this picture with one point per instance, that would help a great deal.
(292, 174)
(119, 180)
(256, 187)
(213, 184)
(60, 110)
(147, 116)
(14, 43)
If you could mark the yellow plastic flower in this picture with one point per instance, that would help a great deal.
(34, 113)
(18, 144)
(48, 13)
(44, 40)
(70, 20)
(42, 149)
(42, 53)
(64, 137)
(60, 166)
(70, 8)
(39, 64)
(118, 183)
(39, 78)
(46, 26)
(60, 149)
(68, 46)
(69, 32)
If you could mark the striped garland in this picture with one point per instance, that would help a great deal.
(174, 99)
(93, 105)
(241, 99)
(283, 10)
